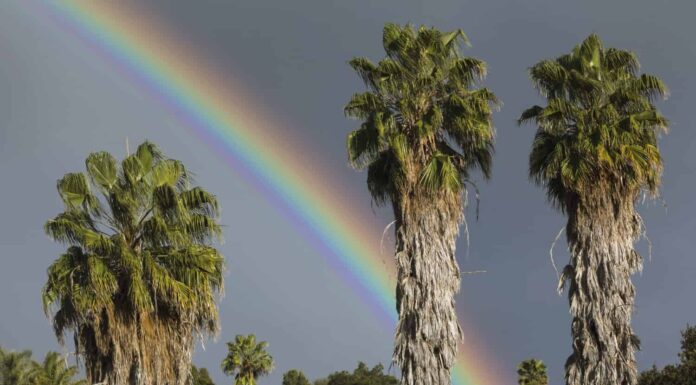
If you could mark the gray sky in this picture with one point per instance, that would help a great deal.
(59, 101)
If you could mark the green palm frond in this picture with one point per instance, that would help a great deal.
(16, 367)
(54, 370)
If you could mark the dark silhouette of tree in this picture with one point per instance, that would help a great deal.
(200, 376)
(683, 373)
(362, 375)
(295, 377)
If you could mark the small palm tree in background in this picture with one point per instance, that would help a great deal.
(532, 372)
(139, 278)
(54, 370)
(15, 367)
(595, 152)
(247, 360)
(425, 126)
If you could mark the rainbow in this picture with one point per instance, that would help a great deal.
(222, 114)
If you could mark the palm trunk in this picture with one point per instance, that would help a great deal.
(427, 333)
(601, 233)
(122, 350)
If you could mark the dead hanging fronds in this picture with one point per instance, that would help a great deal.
(566, 274)
(602, 236)
(553, 244)
(644, 235)
(466, 236)
(427, 274)
(478, 196)
(384, 233)
(473, 272)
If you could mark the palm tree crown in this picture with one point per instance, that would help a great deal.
(15, 367)
(139, 275)
(532, 372)
(247, 360)
(424, 124)
(599, 128)
(54, 370)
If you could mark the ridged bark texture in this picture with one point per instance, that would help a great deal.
(427, 334)
(601, 231)
(121, 350)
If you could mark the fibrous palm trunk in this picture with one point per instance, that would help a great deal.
(124, 349)
(427, 334)
(602, 229)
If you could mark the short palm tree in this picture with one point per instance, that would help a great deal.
(15, 367)
(425, 126)
(139, 279)
(247, 360)
(595, 152)
(54, 370)
(532, 372)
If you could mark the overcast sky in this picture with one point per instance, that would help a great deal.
(59, 101)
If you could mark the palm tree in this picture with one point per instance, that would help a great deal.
(55, 371)
(15, 367)
(532, 372)
(139, 278)
(425, 126)
(595, 152)
(247, 360)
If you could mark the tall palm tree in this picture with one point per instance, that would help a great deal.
(139, 278)
(595, 152)
(55, 371)
(425, 126)
(532, 372)
(15, 367)
(247, 360)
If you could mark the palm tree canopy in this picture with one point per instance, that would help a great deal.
(532, 372)
(247, 360)
(599, 126)
(138, 237)
(54, 370)
(15, 367)
(424, 123)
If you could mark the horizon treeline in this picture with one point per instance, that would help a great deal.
(19, 368)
